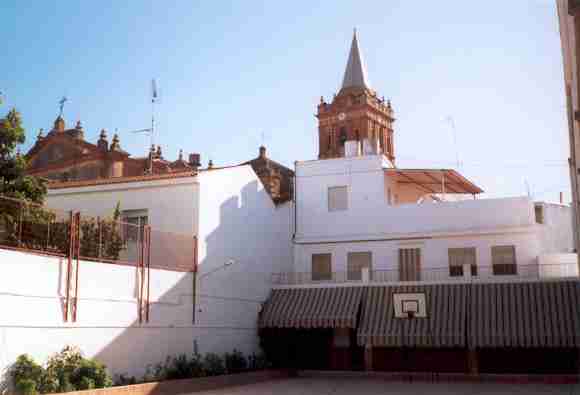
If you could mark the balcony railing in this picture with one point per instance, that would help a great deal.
(431, 274)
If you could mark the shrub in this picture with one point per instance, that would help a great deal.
(90, 371)
(235, 362)
(258, 362)
(24, 371)
(65, 371)
(213, 365)
(124, 379)
(26, 387)
(177, 368)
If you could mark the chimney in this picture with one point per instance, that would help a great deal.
(195, 160)
(262, 152)
(561, 197)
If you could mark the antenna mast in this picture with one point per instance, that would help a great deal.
(451, 121)
(151, 130)
(153, 100)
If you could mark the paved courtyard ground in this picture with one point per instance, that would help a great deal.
(371, 386)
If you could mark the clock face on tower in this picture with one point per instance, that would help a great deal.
(341, 116)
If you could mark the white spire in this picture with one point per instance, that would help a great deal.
(355, 74)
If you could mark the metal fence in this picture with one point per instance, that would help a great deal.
(441, 273)
(34, 228)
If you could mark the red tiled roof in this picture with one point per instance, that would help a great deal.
(118, 180)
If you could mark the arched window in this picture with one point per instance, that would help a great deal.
(343, 135)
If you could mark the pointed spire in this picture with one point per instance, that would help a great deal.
(355, 74)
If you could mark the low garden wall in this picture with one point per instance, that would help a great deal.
(185, 386)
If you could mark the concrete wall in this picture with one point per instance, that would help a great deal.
(558, 265)
(32, 290)
(556, 232)
(370, 216)
(243, 238)
(569, 36)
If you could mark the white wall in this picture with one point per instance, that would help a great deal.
(235, 220)
(558, 265)
(171, 203)
(32, 290)
(246, 229)
(369, 216)
(556, 231)
(434, 253)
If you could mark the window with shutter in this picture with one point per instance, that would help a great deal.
(356, 261)
(321, 267)
(504, 260)
(337, 198)
(459, 257)
(409, 264)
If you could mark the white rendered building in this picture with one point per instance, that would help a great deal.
(358, 211)
(243, 236)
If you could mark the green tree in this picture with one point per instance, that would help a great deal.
(13, 181)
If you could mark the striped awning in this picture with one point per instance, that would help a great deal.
(312, 308)
(538, 314)
(444, 326)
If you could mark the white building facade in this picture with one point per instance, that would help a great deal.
(243, 236)
(354, 212)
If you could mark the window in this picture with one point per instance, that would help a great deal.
(409, 264)
(459, 257)
(539, 212)
(356, 261)
(134, 220)
(321, 267)
(337, 198)
(503, 259)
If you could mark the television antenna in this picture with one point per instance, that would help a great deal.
(451, 122)
(151, 130)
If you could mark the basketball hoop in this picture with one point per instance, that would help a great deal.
(409, 305)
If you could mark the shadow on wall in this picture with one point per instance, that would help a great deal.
(237, 256)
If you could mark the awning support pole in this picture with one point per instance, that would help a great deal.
(472, 362)
(368, 357)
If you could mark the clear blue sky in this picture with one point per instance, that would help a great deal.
(230, 71)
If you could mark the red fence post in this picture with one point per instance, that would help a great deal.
(148, 250)
(71, 245)
(77, 253)
(140, 251)
(194, 277)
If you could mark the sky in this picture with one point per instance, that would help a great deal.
(234, 75)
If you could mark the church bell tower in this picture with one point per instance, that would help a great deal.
(357, 121)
